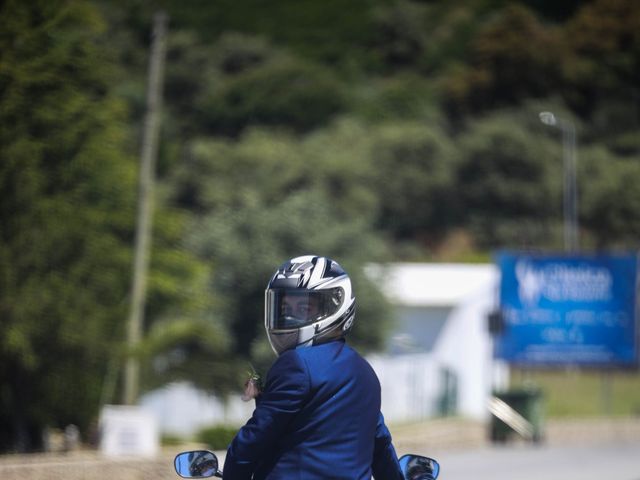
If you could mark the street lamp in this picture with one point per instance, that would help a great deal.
(570, 202)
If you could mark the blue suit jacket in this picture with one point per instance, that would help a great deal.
(318, 418)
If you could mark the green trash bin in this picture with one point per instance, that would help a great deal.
(527, 403)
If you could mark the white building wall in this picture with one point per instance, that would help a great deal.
(181, 409)
(465, 347)
(409, 391)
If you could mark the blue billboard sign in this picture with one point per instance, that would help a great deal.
(568, 310)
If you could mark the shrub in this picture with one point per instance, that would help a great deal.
(217, 437)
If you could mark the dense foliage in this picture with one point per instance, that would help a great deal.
(370, 130)
(68, 191)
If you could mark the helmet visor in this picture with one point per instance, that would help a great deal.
(295, 308)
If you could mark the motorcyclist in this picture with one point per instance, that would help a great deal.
(318, 415)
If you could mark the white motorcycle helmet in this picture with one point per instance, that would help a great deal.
(308, 301)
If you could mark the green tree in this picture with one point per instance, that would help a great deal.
(605, 42)
(415, 169)
(332, 32)
(509, 182)
(67, 205)
(271, 196)
(184, 337)
(609, 201)
(513, 57)
(265, 165)
(399, 39)
(602, 72)
(246, 245)
(284, 92)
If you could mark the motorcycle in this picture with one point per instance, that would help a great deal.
(204, 464)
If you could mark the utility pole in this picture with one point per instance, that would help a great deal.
(148, 156)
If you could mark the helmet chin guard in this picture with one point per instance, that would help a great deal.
(309, 300)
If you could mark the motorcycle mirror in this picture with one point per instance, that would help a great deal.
(197, 464)
(417, 467)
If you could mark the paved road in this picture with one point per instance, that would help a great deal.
(610, 461)
(607, 461)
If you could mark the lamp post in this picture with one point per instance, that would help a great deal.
(570, 203)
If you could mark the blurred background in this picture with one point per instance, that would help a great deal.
(370, 131)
